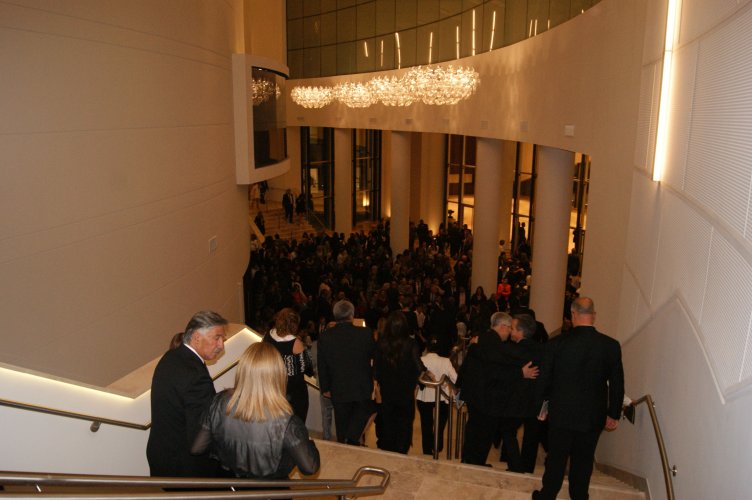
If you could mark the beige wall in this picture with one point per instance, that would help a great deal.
(118, 168)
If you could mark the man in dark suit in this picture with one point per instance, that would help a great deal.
(487, 378)
(181, 390)
(345, 352)
(583, 380)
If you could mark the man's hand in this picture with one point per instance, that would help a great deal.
(327, 394)
(611, 424)
(530, 371)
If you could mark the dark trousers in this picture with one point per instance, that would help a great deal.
(350, 419)
(530, 440)
(508, 429)
(579, 448)
(426, 425)
(479, 434)
(396, 425)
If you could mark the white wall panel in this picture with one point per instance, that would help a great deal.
(683, 251)
(628, 300)
(701, 16)
(726, 314)
(648, 117)
(719, 167)
(682, 93)
(642, 236)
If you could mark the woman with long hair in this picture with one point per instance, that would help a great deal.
(251, 428)
(285, 338)
(397, 367)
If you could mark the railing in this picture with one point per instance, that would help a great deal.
(439, 392)
(96, 421)
(668, 473)
(342, 488)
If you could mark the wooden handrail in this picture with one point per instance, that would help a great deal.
(275, 488)
(668, 472)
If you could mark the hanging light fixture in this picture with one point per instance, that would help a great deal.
(391, 91)
(439, 85)
(262, 90)
(312, 97)
(354, 95)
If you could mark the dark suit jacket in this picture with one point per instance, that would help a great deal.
(583, 379)
(180, 392)
(345, 352)
(490, 374)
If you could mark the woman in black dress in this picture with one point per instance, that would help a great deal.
(397, 367)
(284, 336)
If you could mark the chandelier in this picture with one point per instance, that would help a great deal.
(312, 97)
(432, 85)
(262, 90)
(390, 91)
(354, 95)
(439, 85)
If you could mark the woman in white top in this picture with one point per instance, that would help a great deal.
(438, 366)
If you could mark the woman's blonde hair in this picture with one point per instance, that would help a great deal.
(260, 385)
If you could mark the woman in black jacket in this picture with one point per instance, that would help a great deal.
(397, 367)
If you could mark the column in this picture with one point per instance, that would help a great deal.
(553, 191)
(508, 165)
(400, 188)
(343, 168)
(432, 175)
(488, 185)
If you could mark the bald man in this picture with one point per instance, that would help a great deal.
(583, 381)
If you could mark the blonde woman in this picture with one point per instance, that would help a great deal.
(251, 428)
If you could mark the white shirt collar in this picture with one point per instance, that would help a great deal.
(197, 354)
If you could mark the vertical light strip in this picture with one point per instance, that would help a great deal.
(535, 31)
(661, 146)
(365, 48)
(493, 31)
(381, 55)
(457, 40)
(399, 52)
(473, 31)
(530, 29)
(430, 47)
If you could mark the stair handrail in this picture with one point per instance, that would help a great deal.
(668, 472)
(96, 421)
(438, 387)
(309, 487)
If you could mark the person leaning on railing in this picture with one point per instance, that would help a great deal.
(251, 428)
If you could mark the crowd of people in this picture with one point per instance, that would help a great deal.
(420, 320)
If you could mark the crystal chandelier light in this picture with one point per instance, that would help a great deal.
(312, 97)
(354, 95)
(432, 85)
(391, 91)
(262, 90)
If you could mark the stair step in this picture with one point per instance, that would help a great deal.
(414, 477)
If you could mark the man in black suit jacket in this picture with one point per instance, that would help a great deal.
(583, 380)
(486, 380)
(345, 352)
(181, 390)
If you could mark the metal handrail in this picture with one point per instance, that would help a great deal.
(284, 488)
(668, 473)
(438, 387)
(96, 421)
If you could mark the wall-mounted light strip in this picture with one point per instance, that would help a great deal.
(664, 105)
(430, 47)
(473, 31)
(399, 51)
(457, 40)
(493, 31)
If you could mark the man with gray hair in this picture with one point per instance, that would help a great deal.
(181, 390)
(345, 352)
(486, 380)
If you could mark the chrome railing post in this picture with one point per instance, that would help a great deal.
(667, 472)
(449, 429)
(436, 416)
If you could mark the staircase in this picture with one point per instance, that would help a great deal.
(416, 477)
(274, 219)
